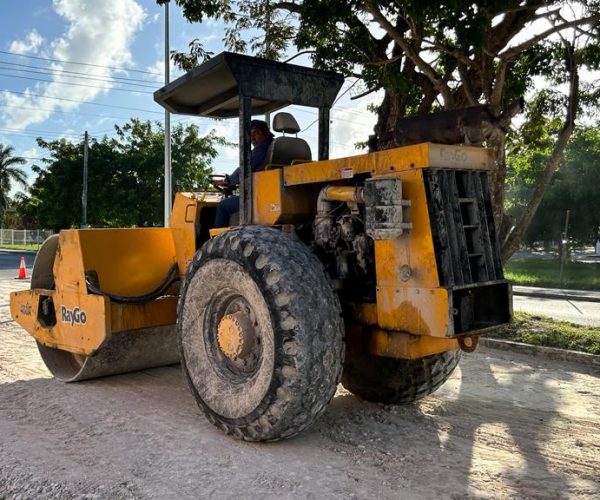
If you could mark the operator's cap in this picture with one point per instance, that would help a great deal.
(262, 126)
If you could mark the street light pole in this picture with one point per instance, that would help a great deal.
(84, 191)
(168, 193)
(564, 247)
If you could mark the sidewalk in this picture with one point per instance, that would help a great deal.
(557, 293)
(577, 255)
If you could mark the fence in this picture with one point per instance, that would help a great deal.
(24, 236)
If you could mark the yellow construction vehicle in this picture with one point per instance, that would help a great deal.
(376, 270)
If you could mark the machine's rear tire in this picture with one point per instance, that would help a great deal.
(397, 381)
(288, 353)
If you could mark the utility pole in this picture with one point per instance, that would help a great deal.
(85, 181)
(168, 190)
(268, 25)
(564, 246)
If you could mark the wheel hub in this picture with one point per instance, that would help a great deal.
(235, 335)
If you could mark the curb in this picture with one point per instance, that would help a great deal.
(551, 295)
(551, 353)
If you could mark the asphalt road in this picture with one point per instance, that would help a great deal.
(575, 311)
(9, 263)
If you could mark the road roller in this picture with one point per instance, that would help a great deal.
(376, 270)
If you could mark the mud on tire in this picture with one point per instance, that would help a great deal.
(297, 347)
(397, 381)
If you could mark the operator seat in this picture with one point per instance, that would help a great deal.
(284, 150)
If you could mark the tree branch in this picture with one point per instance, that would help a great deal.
(438, 82)
(528, 8)
(505, 57)
(365, 93)
(451, 51)
(512, 23)
(517, 49)
(289, 6)
(495, 98)
(384, 62)
(466, 84)
(514, 237)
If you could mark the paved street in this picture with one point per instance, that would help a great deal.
(584, 313)
(9, 263)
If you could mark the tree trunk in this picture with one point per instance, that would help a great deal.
(513, 239)
(391, 110)
(498, 177)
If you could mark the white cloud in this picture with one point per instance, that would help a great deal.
(159, 69)
(349, 126)
(100, 127)
(29, 45)
(98, 32)
(185, 37)
(27, 154)
(30, 153)
(228, 159)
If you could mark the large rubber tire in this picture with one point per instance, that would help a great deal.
(397, 381)
(297, 357)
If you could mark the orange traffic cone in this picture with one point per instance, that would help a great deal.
(22, 270)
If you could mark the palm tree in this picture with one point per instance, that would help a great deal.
(9, 172)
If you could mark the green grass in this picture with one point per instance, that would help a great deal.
(546, 272)
(540, 330)
(35, 247)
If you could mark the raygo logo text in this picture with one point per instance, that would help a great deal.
(73, 316)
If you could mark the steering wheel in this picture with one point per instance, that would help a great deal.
(219, 182)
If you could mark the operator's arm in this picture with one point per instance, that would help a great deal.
(258, 158)
(234, 178)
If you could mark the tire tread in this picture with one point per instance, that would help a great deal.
(398, 381)
(310, 325)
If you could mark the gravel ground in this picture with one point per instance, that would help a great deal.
(505, 425)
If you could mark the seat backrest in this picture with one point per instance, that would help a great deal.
(286, 123)
(284, 150)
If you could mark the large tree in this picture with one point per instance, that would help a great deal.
(429, 55)
(573, 188)
(125, 176)
(9, 173)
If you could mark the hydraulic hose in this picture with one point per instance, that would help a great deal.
(171, 277)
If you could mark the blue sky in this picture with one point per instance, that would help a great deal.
(124, 40)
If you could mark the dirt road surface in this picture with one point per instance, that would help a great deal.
(503, 426)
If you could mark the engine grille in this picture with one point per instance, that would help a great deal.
(464, 234)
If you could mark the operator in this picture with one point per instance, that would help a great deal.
(261, 138)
